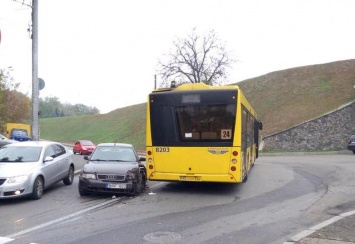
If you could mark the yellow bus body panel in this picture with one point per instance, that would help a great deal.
(205, 164)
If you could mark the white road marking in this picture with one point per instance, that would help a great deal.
(4, 240)
(60, 219)
(319, 226)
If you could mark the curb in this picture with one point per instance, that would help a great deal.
(347, 152)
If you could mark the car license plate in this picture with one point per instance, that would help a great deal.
(116, 186)
(190, 178)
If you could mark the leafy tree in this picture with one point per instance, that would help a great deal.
(17, 107)
(14, 106)
(52, 107)
(48, 106)
(196, 59)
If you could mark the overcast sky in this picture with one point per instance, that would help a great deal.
(104, 53)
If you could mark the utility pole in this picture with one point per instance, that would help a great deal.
(35, 82)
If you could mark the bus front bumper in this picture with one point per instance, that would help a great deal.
(227, 178)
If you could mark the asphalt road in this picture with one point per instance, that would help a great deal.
(284, 195)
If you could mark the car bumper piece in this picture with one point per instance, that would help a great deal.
(97, 186)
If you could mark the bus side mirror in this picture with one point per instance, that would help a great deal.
(260, 125)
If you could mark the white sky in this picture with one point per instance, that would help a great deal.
(104, 53)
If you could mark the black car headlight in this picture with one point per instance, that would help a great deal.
(130, 176)
(88, 176)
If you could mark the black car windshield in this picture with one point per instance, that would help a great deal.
(20, 154)
(110, 153)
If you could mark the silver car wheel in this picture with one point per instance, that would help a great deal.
(70, 178)
(38, 188)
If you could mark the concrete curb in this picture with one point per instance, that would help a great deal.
(305, 153)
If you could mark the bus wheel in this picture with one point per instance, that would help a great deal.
(245, 178)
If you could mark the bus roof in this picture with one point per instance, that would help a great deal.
(196, 86)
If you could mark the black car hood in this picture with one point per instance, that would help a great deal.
(109, 167)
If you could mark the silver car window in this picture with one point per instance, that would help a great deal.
(49, 152)
(58, 149)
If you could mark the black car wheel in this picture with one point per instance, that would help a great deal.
(82, 192)
(69, 179)
(38, 188)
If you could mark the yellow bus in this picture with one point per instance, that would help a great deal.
(200, 133)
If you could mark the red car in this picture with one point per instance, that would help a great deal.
(83, 147)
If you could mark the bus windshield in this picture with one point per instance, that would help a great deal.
(206, 122)
(200, 118)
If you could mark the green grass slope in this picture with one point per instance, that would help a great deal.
(121, 125)
(289, 97)
(282, 99)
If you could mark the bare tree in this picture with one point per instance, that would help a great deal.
(196, 59)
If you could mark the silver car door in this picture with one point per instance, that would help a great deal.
(62, 161)
(49, 168)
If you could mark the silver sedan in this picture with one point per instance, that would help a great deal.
(4, 141)
(28, 168)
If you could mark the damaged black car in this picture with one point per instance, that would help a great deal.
(113, 168)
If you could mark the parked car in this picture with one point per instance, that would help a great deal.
(28, 168)
(83, 147)
(20, 135)
(351, 143)
(4, 141)
(113, 168)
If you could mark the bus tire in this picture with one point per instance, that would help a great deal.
(245, 179)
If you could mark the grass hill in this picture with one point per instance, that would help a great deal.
(282, 99)
(289, 97)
